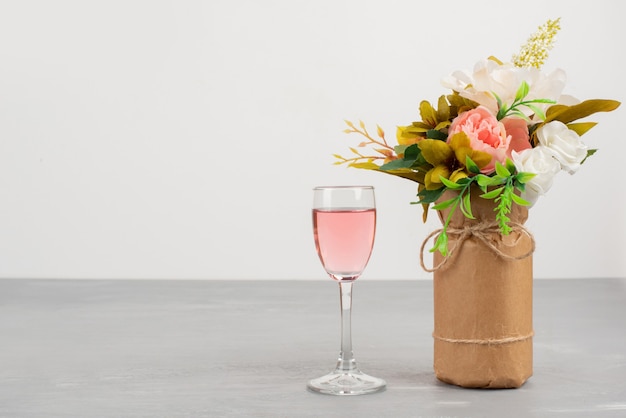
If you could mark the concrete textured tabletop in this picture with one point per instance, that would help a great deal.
(179, 348)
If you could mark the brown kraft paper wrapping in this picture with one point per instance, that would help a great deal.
(483, 301)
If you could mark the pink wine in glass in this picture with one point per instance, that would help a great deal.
(344, 239)
(344, 224)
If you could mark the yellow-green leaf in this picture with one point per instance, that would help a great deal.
(457, 175)
(435, 151)
(408, 174)
(459, 140)
(567, 114)
(419, 127)
(407, 135)
(428, 114)
(442, 125)
(581, 127)
(462, 153)
(481, 158)
(365, 165)
(432, 180)
(443, 110)
(424, 205)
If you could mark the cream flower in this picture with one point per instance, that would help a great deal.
(490, 77)
(564, 144)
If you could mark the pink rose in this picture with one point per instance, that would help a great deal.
(489, 135)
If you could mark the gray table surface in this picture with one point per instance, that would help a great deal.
(112, 348)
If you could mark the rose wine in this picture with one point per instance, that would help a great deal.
(344, 240)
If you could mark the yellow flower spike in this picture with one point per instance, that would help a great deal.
(435, 152)
(535, 51)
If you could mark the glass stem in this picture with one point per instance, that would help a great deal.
(346, 362)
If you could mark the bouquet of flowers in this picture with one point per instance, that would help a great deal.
(505, 128)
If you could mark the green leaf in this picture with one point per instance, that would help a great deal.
(522, 91)
(498, 100)
(450, 184)
(435, 134)
(492, 194)
(421, 164)
(524, 177)
(445, 204)
(466, 206)
(429, 196)
(441, 244)
(590, 152)
(540, 114)
(399, 149)
(412, 152)
(471, 165)
(510, 166)
(502, 170)
(484, 181)
(405, 173)
(520, 114)
(396, 165)
(519, 200)
(465, 180)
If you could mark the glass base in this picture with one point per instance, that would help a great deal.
(353, 382)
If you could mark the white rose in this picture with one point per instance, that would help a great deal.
(564, 143)
(541, 162)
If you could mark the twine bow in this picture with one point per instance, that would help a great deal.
(481, 231)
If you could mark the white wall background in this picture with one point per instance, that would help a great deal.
(181, 139)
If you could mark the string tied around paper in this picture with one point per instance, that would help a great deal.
(486, 341)
(481, 231)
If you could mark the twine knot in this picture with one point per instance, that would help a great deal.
(481, 231)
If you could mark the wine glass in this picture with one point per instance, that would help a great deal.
(344, 225)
